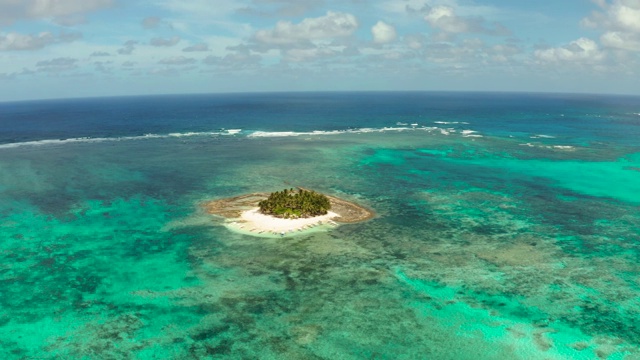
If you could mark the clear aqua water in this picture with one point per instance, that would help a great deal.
(520, 244)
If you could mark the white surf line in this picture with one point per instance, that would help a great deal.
(114, 139)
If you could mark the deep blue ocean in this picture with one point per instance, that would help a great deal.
(574, 118)
(507, 227)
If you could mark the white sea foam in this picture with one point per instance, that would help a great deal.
(187, 134)
(114, 139)
(231, 132)
(276, 134)
(470, 133)
(262, 134)
(52, 142)
(553, 147)
(542, 137)
(255, 134)
(451, 122)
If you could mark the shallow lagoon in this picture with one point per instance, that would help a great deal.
(483, 248)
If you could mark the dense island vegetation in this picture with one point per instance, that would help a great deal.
(293, 204)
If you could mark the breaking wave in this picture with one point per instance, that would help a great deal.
(116, 139)
(244, 133)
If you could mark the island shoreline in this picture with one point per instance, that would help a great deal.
(242, 215)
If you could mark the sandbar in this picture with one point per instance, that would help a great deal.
(241, 214)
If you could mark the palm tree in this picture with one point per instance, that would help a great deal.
(291, 203)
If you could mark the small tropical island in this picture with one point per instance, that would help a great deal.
(294, 204)
(287, 212)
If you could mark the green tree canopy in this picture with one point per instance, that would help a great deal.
(293, 204)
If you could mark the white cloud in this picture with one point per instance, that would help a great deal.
(151, 22)
(415, 41)
(201, 8)
(236, 61)
(401, 7)
(451, 55)
(331, 25)
(196, 48)
(504, 53)
(128, 47)
(7, 76)
(53, 8)
(444, 18)
(154, 22)
(197, 17)
(622, 15)
(582, 50)
(103, 66)
(59, 10)
(177, 60)
(383, 33)
(280, 8)
(621, 40)
(164, 72)
(57, 65)
(621, 21)
(300, 55)
(627, 15)
(17, 41)
(165, 42)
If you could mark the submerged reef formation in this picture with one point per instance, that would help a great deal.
(285, 212)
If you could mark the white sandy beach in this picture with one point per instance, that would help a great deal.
(254, 222)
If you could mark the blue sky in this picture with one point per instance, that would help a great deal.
(80, 48)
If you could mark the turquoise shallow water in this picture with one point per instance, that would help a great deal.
(483, 248)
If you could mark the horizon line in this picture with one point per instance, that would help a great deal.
(520, 92)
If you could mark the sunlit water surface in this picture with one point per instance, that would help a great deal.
(520, 243)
